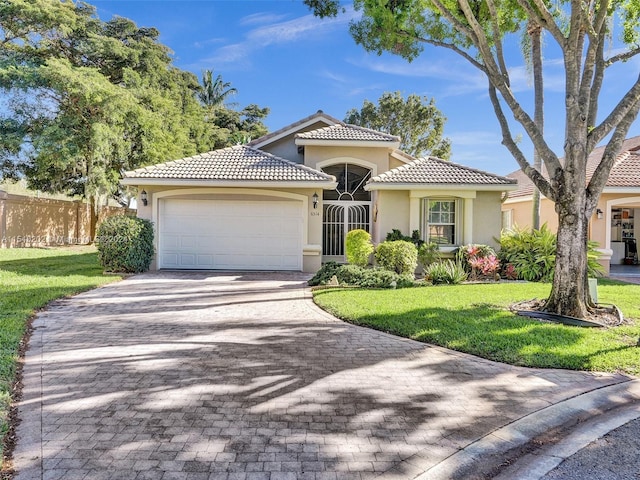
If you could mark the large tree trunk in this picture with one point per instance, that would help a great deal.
(569, 293)
(93, 219)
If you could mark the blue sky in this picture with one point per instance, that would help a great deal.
(279, 56)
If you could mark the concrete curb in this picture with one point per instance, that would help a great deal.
(484, 456)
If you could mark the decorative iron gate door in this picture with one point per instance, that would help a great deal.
(340, 217)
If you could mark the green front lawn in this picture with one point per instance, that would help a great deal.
(29, 279)
(474, 318)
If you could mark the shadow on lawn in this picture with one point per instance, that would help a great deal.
(491, 332)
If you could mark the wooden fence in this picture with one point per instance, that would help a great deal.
(38, 222)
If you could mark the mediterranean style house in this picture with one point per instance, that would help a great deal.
(285, 201)
(615, 225)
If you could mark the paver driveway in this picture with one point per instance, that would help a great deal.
(224, 375)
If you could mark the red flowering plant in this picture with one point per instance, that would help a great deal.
(480, 261)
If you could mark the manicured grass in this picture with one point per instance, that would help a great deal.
(474, 319)
(29, 279)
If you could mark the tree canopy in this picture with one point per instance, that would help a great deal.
(89, 99)
(416, 120)
(581, 33)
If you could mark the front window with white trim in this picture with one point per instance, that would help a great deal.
(441, 221)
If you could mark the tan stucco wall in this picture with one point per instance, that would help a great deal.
(319, 156)
(311, 259)
(522, 216)
(32, 222)
(487, 218)
(392, 209)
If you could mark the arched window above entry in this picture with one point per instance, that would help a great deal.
(351, 181)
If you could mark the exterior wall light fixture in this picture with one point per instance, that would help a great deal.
(143, 197)
(315, 199)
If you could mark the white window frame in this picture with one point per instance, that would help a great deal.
(507, 219)
(457, 224)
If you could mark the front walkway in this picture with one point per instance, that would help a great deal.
(233, 376)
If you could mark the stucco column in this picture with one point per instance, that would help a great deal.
(467, 229)
(414, 214)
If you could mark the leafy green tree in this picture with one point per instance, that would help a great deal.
(580, 31)
(241, 126)
(89, 99)
(416, 120)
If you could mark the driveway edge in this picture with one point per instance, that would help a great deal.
(489, 453)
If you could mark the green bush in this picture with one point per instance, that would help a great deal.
(532, 253)
(361, 277)
(125, 244)
(398, 256)
(396, 234)
(358, 247)
(325, 273)
(447, 272)
(428, 253)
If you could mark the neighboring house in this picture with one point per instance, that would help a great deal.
(614, 226)
(286, 200)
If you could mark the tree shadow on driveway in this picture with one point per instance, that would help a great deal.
(199, 379)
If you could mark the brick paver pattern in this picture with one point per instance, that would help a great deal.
(239, 376)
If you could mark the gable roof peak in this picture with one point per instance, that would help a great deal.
(347, 132)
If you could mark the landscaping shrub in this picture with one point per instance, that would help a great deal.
(325, 273)
(360, 276)
(396, 234)
(447, 272)
(358, 247)
(428, 253)
(398, 256)
(532, 253)
(125, 244)
(479, 261)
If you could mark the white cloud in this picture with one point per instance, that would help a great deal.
(210, 41)
(274, 32)
(260, 18)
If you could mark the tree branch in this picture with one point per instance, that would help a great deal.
(611, 151)
(449, 46)
(458, 25)
(507, 140)
(622, 57)
(630, 102)
(543, 17)
(596, 87)
(497, 40)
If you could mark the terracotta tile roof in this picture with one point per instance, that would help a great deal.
(239, 163)
(434, 171)
(346, 132)
(624, 173)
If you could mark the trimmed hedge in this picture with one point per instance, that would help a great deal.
(398, 256)
(125, 244)
(358, 247)
(360, 276)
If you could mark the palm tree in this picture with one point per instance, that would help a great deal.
(535, 33)
(213, 93)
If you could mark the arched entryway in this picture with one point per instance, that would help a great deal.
(346, 208)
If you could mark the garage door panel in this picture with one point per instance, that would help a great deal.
(227, 234)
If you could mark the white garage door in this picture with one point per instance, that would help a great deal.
(230, 234)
